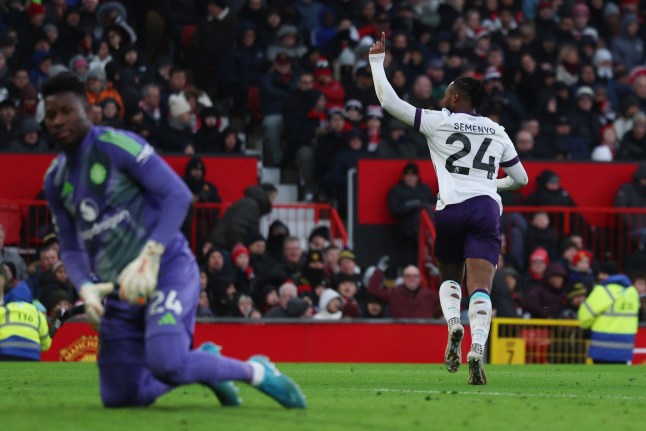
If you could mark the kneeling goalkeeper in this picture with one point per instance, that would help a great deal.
(118, 208)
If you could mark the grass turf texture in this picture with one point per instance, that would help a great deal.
(64, 396)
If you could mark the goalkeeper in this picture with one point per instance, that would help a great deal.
(118, 208)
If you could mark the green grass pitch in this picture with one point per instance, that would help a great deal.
(64, 397)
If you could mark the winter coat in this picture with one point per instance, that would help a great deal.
(326, 297)
(242, 218)
(545, 301)
(404, 303)
(405, 203)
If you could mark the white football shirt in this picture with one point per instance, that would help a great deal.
(467, 151)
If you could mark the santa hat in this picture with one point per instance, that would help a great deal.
(239, 249)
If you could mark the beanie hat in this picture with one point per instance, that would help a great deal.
(539, 254)
(346, 254)
(581, 254)
(411, 168)
(239, 249)
(577, 290)
(252, 237)
(35, 9)
(296, 307)
(178, 105)
(322, 231)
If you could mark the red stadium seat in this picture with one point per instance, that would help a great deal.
(11, 221)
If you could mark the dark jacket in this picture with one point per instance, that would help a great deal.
(545, 301)
(405, 304)
(633, 195)
(242, 218)
(405, 203)
(544, 197)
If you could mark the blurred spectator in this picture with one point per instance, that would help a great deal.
(336, 180)
(241, 218)
(605, 151)
(584, 125)
(175, 134)
(633, 195)
(269, 298)
(111, 114)
(628, 47)
(230, 143)
(10, 255)
(639, 281)
(580, 271)
(243, 67)
(57, 288)
(549, 192)
(98, 89)
(406, 200)
(245, 278)
(408, 300)
(245, 308)
(507, 293)
(291, 263)
(541, 234)
(633, 144)
(288, 42)
(208, 138)
(575, 298)
(286, 292)
(538, 261)
(399, 143)
(347, 286)
(9, 127)
(213, 38)
(204, 306)
(331, 256)
(546, 300)
(525, 145)
(329, 306)
(276, 235)
(29, 139)
(299, 308)
(275, 87)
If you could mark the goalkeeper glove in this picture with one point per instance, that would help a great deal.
(138, 280)
(92, 295)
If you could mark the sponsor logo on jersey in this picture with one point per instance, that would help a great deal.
(89, 209)
(98, 173)
(167, 319)
(106, 224)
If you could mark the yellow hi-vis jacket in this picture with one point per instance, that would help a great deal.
(23, 331)
(611, 313)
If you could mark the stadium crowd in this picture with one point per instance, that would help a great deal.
(291, 81)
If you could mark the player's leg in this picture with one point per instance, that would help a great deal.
(448, 250)
(124, 377)
(170, 322)
(482, 249)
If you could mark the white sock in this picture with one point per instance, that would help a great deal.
(258, 373)
(450, 297)
(479, 320)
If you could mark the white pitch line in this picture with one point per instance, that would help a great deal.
(500, 394)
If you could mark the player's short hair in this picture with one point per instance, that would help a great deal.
(471, 88)
(64, 82)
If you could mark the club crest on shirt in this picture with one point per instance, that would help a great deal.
(98, 173)
(89, 210)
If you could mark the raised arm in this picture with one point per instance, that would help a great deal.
(389, 100)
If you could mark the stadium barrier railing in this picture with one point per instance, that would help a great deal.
(537, 341)
(27, 221)
(609, 233)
